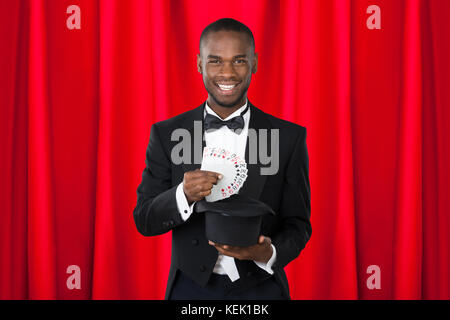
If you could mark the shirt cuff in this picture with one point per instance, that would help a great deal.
(268, 266)
(183, 206)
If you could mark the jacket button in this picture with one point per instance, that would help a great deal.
(202, 268)
(194, 242)
(249, 274)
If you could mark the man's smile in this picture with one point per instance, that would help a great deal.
(227, 88)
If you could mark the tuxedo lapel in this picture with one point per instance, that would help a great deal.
(254, 183)
(194, 124)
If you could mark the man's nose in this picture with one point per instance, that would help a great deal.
(227, 69)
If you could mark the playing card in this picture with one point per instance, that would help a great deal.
(232, 168)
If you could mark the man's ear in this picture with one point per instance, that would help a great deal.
(255, 63)
(199, 63)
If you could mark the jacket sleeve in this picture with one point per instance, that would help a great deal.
(295, 211)
(156, 211)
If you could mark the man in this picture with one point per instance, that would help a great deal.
(166, 197)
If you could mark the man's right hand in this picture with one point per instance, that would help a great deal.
(197, 184)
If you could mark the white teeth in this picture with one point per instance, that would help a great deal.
(226, 87)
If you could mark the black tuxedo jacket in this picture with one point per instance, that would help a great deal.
(287, 192)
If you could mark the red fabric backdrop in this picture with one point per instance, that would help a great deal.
(76, 111)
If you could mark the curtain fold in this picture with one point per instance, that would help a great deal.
(42, 245)
(77, 106)
(408, 236)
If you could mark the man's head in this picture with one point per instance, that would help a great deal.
(227, 60)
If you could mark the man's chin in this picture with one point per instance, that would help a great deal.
(227, 104)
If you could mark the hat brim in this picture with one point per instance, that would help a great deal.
(235, 206)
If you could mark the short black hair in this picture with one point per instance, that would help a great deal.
(227, 24)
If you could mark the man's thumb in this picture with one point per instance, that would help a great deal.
(261, 239)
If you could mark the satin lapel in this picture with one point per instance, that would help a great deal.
(254, 184)
(197, 142)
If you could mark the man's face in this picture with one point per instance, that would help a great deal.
(227, 61)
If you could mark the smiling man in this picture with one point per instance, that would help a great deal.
(226, 60)
(166, 197)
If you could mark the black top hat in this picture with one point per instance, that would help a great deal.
(234, 221)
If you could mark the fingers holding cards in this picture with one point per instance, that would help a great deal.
(230, 165)
(198, 183)
(222, 174)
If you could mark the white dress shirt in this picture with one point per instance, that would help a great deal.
(227, 139)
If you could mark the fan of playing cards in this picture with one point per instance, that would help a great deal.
(232, 167)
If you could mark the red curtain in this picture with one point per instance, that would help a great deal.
(76, 111)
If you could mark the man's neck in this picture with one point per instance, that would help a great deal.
(224, 112)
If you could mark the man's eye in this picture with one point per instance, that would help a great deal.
(239, 61)
(214, 61)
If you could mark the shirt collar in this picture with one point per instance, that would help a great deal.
(234, 114)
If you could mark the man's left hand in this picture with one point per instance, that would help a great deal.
(261, 252)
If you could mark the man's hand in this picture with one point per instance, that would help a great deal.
(261, 252)
(197, 184)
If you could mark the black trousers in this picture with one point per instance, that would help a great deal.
(220, 287)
